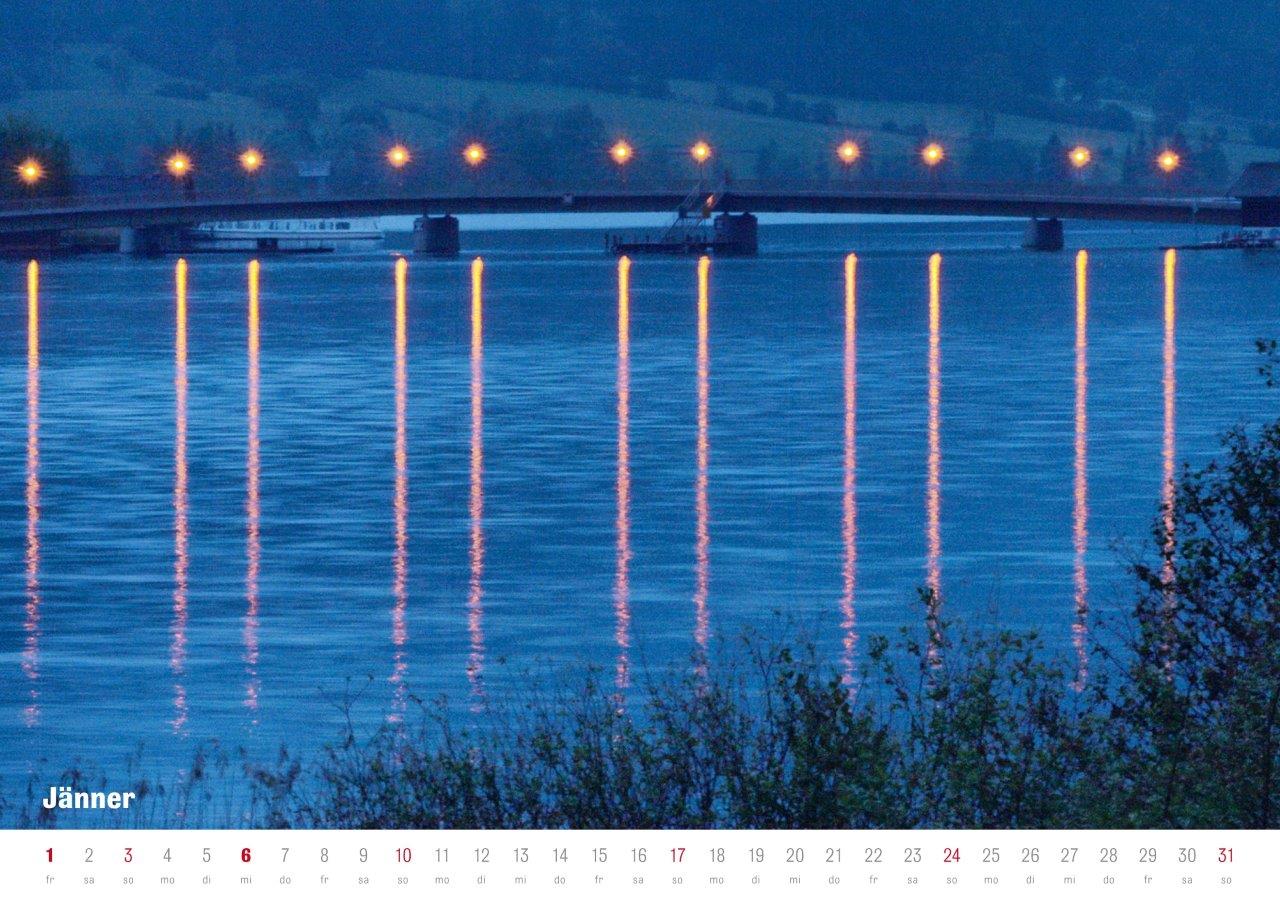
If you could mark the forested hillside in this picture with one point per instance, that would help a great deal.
(991, 52)
(1007, 87)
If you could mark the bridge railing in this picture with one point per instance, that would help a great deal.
(855, 186)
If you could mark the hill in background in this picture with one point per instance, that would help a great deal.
(548, 86)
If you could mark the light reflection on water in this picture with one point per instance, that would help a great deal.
(31, 621)
(622, 577)
(253, 499)
(181, 502)
(554, 490)
(475, 589)
(702, 508)
(1080, 484)
(400, 504)
(849, 497)
(933, 479)
(1169, 438)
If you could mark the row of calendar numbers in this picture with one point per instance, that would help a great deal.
(676, 855)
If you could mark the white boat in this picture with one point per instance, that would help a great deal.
(286, 235)
(1249, 239)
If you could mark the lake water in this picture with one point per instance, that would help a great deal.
(228, 491)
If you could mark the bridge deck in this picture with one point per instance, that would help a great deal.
(1074, 205)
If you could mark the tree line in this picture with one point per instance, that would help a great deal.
(1025, 57)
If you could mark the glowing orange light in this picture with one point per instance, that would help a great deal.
(251, 160)
(1168, 160)
(700, 152)
(178, 164)
(398, 156)
(475, 154)
(848, 152)
(621, 153)
(30, 171)
(932, 154)
(1080, 156)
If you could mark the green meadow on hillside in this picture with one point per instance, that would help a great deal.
(116, 112)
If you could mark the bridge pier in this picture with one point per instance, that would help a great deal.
(436, 236)
(736, 234)
(1043, 234)
(150, 241)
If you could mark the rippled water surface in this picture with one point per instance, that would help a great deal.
(228, 489)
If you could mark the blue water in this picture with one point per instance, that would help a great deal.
(504, 494)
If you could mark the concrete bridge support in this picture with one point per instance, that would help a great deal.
(437, 236)
(1044, 234)
(150, 241)
(736, 234)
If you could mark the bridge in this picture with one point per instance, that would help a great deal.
(141, 219)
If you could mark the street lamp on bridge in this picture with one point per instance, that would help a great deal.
(848, 152)
(30, 171)
(932, 154)
(701, 153)
(1168, 161)
(180, 168)
(475, 154)
(251, 160)
(398, 156)
(179, 165)
(1080, 157)
(621, 153)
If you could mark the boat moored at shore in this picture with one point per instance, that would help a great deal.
(316, 235)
